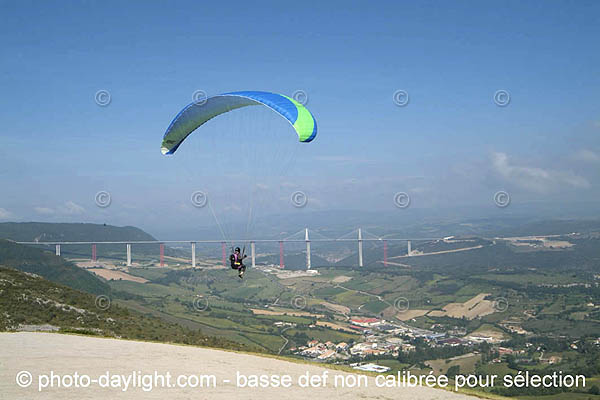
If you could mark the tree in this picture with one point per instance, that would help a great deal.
(453, 371)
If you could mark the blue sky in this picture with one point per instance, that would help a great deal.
(451, 145)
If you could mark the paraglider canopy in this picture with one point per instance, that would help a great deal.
(238, 164)
(197, 113)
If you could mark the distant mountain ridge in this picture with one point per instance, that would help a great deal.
(76, 232)
(84, 232)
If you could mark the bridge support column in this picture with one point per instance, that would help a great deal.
(360, 248)
(253, 253)
(58, 250)
(385, 253)
(129, 254)
(162, 254)
(94, 258)
(223, 254)
(193, 254)
(281, 263)
(307, 249)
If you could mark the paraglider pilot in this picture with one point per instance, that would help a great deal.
(237, 262)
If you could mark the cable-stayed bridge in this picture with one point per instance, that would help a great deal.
(305, 236)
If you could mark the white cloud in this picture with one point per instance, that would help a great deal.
(535, 178)
(4, 214)
(71, 208)
(44, 210)
(586, 155)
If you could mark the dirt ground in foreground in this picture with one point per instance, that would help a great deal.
(41, 353)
